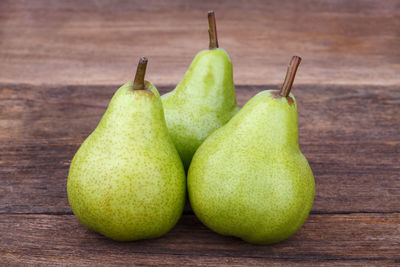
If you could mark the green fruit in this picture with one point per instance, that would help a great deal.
(249, 179)
(127, 181)
(203, 101)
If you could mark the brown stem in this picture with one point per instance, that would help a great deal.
(290, 74)
(212, 30)
(138, 84)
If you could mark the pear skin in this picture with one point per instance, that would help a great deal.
(127, 181)
(203, 101)
(249, 178)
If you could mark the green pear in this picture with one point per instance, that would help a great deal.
(203, 101)
(249, 178)
(127, 181)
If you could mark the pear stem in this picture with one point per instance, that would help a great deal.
(138, 84)
(290, 74)
(212, 30)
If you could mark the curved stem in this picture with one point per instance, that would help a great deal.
(138, 83)
(212, 30)
(290, 74)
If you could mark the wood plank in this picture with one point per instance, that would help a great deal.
(98, 42)
(355, 239)
(351, 136)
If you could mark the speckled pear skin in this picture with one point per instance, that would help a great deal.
(127, 181)
(249, 178)
(202, 102)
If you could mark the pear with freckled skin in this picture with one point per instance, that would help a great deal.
(203, 101)
(249, 178)
(127, 181)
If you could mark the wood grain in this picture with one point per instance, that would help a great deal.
(367, 239)
(99, 42)
(350, 135)
(61, 61)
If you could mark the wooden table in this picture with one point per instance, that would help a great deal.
(60, 62)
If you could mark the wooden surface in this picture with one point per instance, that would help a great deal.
(348, 238)
(60, 62)
(99, 42)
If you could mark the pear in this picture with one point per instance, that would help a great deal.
(127, 181)
(203, 101)
(249, 178)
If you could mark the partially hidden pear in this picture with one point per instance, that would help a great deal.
(127, 181)
(249, 178)
(203, 101)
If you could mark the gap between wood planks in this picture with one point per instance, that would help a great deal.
(192, 213)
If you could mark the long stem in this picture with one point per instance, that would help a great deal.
(212, 30)
(138, 84)
(290, 74)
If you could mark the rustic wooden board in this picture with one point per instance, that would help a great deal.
(99, 42)
(61, 61)
(351, 136)
(343, 239)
